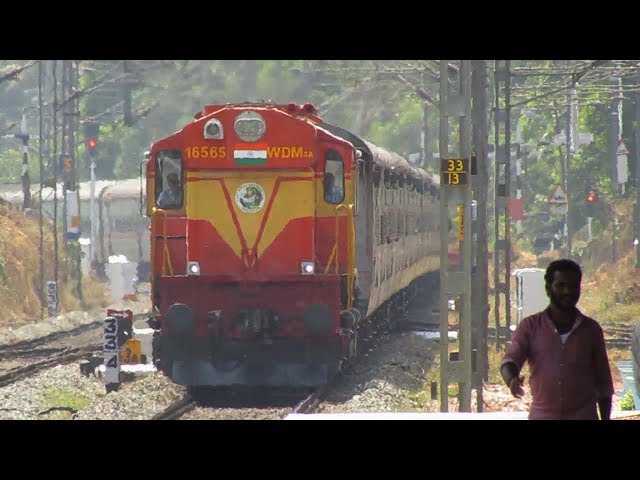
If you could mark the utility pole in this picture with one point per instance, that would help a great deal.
(455, 191)
(569, 144)
(52, 287)
(614, 135)
(26, 181)
(636, 211)
(40, 216)
(621, 165)
(480, 185)
(518, 172)
(502, 182)
(93, 247)
(71, 187)
(65, 169)
(73, 151)
(91, 133)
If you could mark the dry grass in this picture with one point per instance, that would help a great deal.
(611, 294)
(20, 269)
(610, 291)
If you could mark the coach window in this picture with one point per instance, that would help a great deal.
(169, 180)
(333, 177)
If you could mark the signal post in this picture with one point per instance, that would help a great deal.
(461, 365)
(91, 132)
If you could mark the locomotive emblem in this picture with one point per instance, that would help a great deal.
(250, 197)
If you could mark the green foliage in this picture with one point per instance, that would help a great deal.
(398, 127)
(60, 398)
(627, 402)
(588, 162)
(11, 162)
(129, 153)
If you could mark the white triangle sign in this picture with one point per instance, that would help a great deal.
(558, 195)
(622, 149)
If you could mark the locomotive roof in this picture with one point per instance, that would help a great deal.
(380, 156)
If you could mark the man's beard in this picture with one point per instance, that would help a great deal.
(557, 302)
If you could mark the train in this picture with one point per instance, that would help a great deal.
(122, 232)
(287, 241)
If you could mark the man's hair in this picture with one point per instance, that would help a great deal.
(561, 265)
(173, 178)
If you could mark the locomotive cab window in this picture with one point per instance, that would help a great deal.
(169, 186)
(333, 177)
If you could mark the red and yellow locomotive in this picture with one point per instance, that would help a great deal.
(277, 238)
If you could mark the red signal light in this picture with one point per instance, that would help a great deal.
(91, 143)
(591, 197)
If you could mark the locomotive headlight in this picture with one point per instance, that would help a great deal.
(193, 268)
(249, 126)
(307, 268)
(213, 129)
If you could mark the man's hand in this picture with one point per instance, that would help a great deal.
(511, 376)
(515, 385)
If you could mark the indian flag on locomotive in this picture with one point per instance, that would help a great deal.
(250, 153)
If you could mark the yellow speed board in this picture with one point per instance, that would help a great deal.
(454, 171)
(460, 222)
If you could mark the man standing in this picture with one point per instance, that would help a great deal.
(566, 352)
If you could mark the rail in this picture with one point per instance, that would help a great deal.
(350, 250)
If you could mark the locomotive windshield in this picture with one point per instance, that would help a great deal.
(169, 189)
(333, 177)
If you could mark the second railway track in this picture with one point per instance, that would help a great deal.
(65, 356)
(25, 358)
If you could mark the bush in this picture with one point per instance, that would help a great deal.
(627, 401)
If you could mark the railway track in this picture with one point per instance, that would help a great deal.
(177, 409)
(25, 348)
(270, 402)
(22, 348)
(311, 403)
(273, 401)
(26, 358)
(618, 335)
(66, 356)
